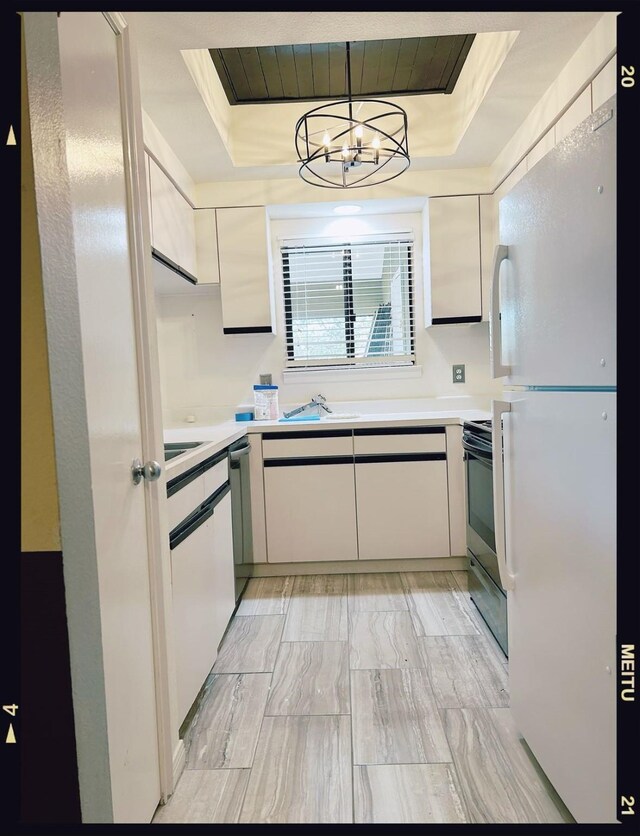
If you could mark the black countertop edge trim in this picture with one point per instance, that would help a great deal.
(253, 329)
(383, 458)
(173, 266)
(400, 431)
(181, 481)
(306, 460)
(309, 434)
(453, 320)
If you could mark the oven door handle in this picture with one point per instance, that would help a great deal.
(506, 576)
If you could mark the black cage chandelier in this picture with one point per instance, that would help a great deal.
(352, 143)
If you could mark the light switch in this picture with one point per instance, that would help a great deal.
(458, 374)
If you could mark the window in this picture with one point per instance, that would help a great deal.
(349, 304)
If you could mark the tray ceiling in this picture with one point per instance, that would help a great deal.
(304, 72)
(182, 93)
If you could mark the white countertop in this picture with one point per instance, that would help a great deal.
(373, 419)
(218, 436)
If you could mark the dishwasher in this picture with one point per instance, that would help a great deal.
(241, 512)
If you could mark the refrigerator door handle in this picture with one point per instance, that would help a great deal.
(506, 576)
(495, 327)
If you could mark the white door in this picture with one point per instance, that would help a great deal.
(94, 148)
(560, 501)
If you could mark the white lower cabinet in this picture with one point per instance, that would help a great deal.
(403, 510)
(223, 592)
(193, 573)
(310, 512)
(202, 571)
(370, 494)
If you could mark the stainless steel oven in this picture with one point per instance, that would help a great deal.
(484, 577)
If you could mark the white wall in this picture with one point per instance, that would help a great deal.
(202, 368)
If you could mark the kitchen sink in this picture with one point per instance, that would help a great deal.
(177, 448)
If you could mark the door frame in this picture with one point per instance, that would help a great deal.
(69, 408)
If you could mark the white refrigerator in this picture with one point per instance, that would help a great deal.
(553, 342)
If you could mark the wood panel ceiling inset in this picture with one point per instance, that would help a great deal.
(303, 72)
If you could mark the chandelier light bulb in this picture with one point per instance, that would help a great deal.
(358, 132)
(326, 141)
(376, 149)
(345, 151)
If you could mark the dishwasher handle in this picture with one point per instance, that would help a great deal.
(236, 455)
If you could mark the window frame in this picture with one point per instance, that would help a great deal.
(349, 313)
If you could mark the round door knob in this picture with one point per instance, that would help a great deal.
(150, 471)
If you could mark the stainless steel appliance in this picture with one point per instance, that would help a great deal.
(485, 587)
(241, 511)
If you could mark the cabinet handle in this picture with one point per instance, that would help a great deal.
(495, 326)
(506, 577)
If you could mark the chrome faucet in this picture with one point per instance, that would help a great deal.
(319, 401)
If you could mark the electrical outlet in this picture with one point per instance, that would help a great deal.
(458, 374)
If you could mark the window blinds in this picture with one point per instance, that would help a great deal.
(349, 304)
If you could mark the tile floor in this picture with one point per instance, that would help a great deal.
(358, 698)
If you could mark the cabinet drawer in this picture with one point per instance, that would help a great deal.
(400, 440)
(185, 501)
(294, 445)
(215, 476)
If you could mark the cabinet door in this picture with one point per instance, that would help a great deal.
(244, 269)
(172, 224)
(223, 594)
(454, 233)
(403, 509)
(310, 512)
(207, 246)
(194, 586)
(187, 235)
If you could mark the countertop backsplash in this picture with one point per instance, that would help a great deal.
(212, 415)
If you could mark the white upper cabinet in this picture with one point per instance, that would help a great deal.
(454, 244)
(244, 270)
(173, 234)
(207, 246)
